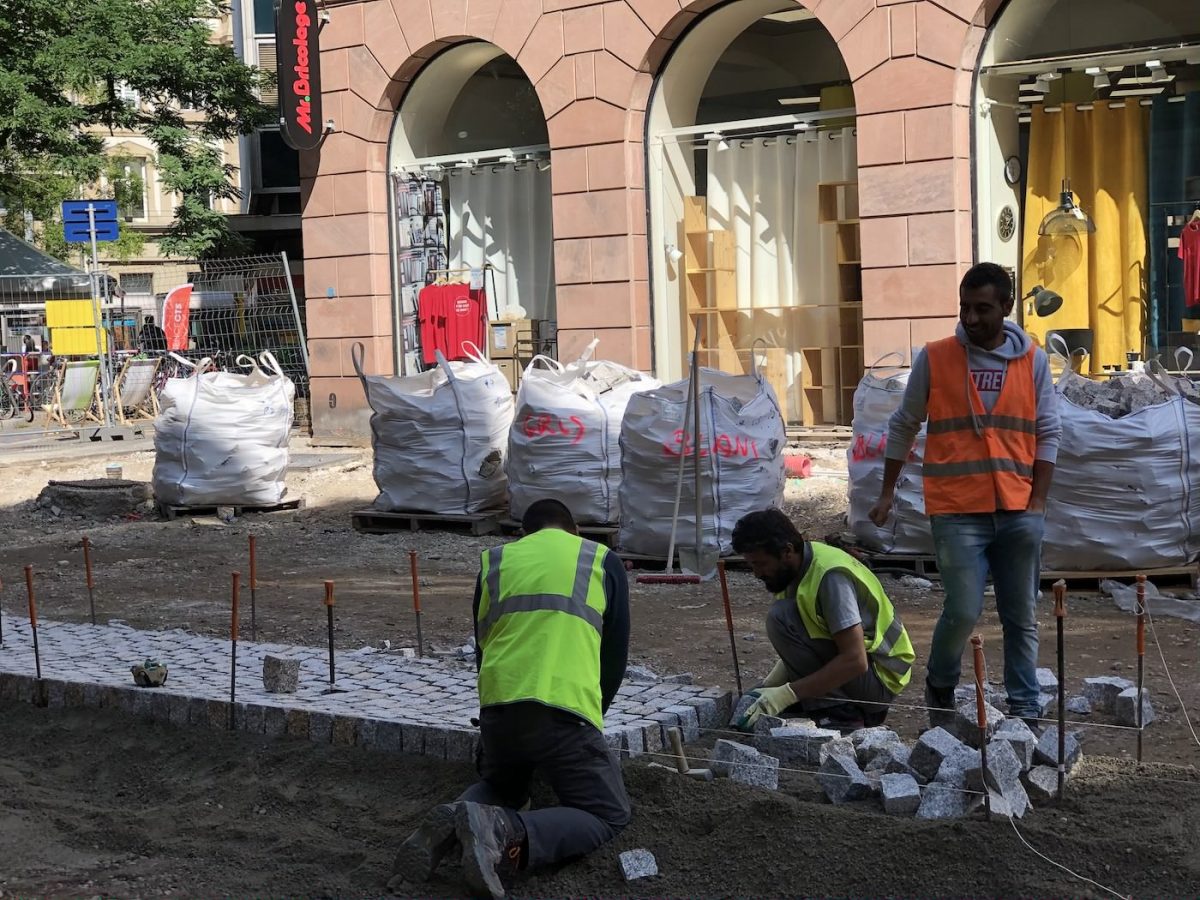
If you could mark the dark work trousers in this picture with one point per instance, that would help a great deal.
(518, 739)
(804, 654)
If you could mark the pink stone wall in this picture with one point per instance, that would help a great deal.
(593, 65)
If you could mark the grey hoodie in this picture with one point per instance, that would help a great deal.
(988, 368)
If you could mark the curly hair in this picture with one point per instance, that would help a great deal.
(768, 530)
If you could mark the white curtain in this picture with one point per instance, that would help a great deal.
(502, 215)
(765, 191)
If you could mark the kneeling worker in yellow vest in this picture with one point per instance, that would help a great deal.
(843, 653)
(552, 638)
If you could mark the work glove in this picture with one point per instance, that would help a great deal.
(771, 701)
(778, 676)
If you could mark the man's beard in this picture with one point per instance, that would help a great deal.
(778, 582)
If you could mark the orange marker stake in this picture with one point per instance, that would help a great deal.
(253, 592)
(329, 609)
(1060, 615)
(981, 715)
(416, 592)
(1141, 656)
(91, 582)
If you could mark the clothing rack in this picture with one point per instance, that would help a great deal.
(492, 295)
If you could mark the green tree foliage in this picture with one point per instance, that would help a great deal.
(66, 70)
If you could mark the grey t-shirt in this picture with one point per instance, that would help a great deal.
(837, 596)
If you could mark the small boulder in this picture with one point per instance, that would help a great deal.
(1041, 783)
(1047, 681)
(966, 723)
(1127, 711)
(1081, 706)
(638, 864)
(281, 675)
(842, 780)
(954, 768)
(930, 749)
(1104, 690)
(901, 795)
(944, 801)
(1046, 753)
(1020, 737)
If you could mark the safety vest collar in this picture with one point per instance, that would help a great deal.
(576, 604)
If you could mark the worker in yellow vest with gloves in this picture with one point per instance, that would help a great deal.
(552, 639)
(843, 652)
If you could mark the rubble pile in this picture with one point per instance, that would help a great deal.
(1116, 397)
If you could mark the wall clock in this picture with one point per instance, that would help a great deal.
(1006, 224)
(1012, 170)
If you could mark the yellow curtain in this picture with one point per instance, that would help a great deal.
(1101, 277)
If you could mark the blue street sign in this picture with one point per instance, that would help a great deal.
(77, 232)
(77, 210)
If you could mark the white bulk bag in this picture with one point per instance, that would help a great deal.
(741, 461)
(222, 438)
(440, 437)
(907, 531)
(565, 440)
(1125, 491)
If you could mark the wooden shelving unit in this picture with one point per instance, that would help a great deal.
(841, 363)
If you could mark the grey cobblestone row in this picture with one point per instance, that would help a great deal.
(388, 703)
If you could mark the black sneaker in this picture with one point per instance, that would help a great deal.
(492, 842)
(420, 855)
(941, 705)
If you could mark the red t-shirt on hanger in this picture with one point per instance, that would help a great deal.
(431, 319)
(1189, 252)
(464, 311)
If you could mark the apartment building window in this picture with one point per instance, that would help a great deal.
(132, 193)
(264, 17)
(127, 94)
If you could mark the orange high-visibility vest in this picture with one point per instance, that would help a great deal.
(966, 472)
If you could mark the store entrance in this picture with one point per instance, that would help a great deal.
(754, 208)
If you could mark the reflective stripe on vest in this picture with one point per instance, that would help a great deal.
(975, 461)
(891, 653)
(540, 620)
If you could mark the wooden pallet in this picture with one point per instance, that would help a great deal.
(171, 511)
(926, 567)
(374, 521)
(601, 534)
(657, 562)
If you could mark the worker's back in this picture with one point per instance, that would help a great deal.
(540, 619)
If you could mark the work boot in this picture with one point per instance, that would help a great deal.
(420, 855)
(941, 705)
(492, 841)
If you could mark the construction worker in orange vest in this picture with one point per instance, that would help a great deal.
(991, 444)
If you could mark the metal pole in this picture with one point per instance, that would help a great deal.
(981, 716)
(737, 670)
(329, 610)
(233, 634)
(1060, 614)
(287, 271)
(696, 459)
(416, 592)
(1, 613)
(37, 655)
(91, 582)
(253, 592)
(98, 312)
(1141, 655)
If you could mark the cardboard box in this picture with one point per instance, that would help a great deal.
(504, 336)
(512, 372)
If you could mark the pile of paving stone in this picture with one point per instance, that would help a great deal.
(1115, 397)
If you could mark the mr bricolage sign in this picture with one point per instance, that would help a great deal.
(299, 57)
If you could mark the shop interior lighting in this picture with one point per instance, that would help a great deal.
(1043, 82)
(1100, 79)
(722, 144)
(799, 101)
(1066, 218)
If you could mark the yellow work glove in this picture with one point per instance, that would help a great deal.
(771, 702)
(778, 675)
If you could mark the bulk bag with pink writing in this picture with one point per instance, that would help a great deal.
(565, 439)
(440, 437)
(740, 458)
(907, 531)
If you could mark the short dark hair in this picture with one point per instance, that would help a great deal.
(768, 530)
(149, 320)
(983, 274)
(547, 513)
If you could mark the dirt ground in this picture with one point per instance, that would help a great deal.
(96, 804)
(155, 574)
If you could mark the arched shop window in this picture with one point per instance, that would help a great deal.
(754, 207)
(1104, 94)
(469, 172)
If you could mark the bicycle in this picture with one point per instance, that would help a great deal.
(11, 396)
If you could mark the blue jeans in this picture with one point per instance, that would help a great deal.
(1009, 544)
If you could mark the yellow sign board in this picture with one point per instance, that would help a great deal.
(72, 325)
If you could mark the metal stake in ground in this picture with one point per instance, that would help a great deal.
(329, 610)
(1060, 614)
(91, 582)
(37, 655)
(253, 592)
(737, 670)
(1, 613)
(1141, 654)
(416, 592)
(233, 635)
(981, 716)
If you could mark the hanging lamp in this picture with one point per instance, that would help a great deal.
(1066, 218)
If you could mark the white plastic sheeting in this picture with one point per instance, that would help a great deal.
(440, 437)
(740, 460)
(221, 438)
(1126, 492)
(565, 440)
(907, 531)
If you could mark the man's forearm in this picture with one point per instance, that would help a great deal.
(1043, 474)
(891, 474)
(831, 676)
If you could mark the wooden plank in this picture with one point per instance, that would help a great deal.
(375, 521)
(171, 511)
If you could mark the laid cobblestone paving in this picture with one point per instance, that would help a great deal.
(384, 701)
